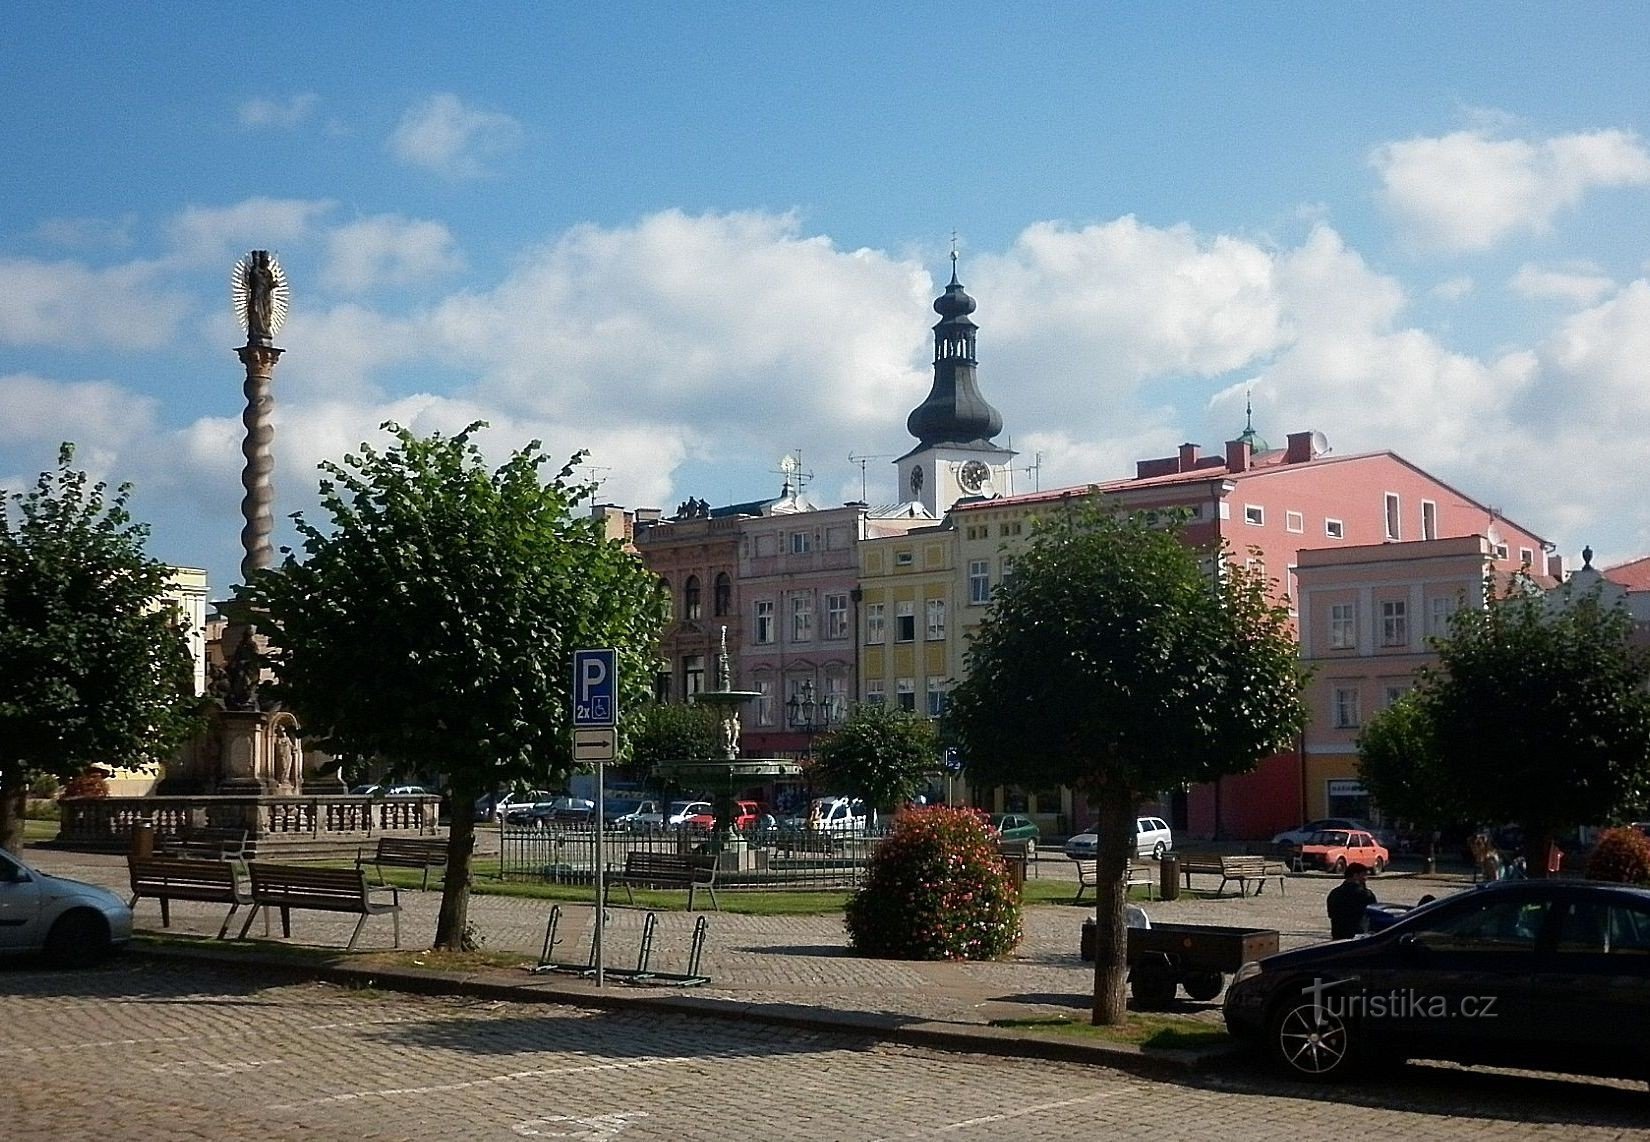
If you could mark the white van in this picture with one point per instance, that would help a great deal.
(840, 815)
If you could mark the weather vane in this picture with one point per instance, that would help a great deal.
(258, 292)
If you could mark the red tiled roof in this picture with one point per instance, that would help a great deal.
(1634, 574)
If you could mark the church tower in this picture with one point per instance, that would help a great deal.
(954, 456)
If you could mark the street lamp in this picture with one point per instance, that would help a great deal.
(805, 714)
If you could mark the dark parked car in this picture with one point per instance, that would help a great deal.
(1541, 974)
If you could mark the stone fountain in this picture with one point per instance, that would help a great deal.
(726, 775)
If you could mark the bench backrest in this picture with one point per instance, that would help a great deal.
(168, 873)
(1242, 865)
(416, 847)
(669, 864)
(298, 882)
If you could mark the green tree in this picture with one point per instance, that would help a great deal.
(433, 623)
(1539, 704)
(1115, 661)
(1403, 771)
(881, 754)
(93, 667)
(660, 732)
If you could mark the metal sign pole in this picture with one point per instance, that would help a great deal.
(596, 711)
(601, 876)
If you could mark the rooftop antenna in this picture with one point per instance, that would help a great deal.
(796, 477)
(594, 480)
(1034, 468)
(863, 459)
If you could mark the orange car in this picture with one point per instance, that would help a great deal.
(1333, 849)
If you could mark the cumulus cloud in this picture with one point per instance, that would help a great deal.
(1453, 289)
(445, 135)
(44, 411)
(388, 250)
(1579, 284)
(284, 114)
(1470, 190)
(202, 235)
(71, 305)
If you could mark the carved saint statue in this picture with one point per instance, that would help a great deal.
(286, 756)
(245, 671)
(259, 291)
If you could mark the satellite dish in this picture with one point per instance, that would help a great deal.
(1320, 443)
(788, 464)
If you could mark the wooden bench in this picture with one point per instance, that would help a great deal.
(169, 878)
(210, 844)
(1239, 869)
(287, 887)
(669, 870)
(407, 852)
(1022, 853)
(1134, 875)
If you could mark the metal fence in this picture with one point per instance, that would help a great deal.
(783, 859)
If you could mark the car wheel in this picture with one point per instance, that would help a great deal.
(1311, 1041)
(1158, 850)
(1202, 985)
(1340, 866)
(79, 939)
(1380, 866)
(1152, 983)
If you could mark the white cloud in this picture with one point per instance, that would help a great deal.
(202, 235)
(280, 113)
(445, 135)
(87, 233)
(388, 250)
(41, 411)
(1453, 289)
(1470, 190)
(1581, 284)
(71, 305)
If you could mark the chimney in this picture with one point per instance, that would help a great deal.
(1237, 456)
(1300, 448)
(1188, 457)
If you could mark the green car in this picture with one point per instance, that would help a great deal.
(1016, 827)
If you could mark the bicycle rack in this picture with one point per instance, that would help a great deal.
(640, 974)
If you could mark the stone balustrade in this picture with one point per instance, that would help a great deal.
(107, 822)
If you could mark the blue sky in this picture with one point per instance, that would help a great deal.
(692, 238)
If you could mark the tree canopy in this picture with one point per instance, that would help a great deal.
(93, 665)
(659, 732)
(432, 622)
(1539, 707)
(1402, 770)
(1114, 660)
(881, 754)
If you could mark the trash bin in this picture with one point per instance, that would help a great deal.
(143, 839)
(1168, 882)
(1016, 866)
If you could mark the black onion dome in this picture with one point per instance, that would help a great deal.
(954, 302)
(954, 411)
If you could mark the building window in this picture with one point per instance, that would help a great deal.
(693, 675)
(1254, 513)
(1391, 692)
(905, 622)
(1334, 529)
(936, 697)
(1394, 623)
(1005, 568)
(1429, 520)
(1294, 521)
(690, 598)
(1343, 626)
(979, 581)
(764, 702)
(976, 531)
(764, 621)
(801, 542)
(723, 603)
(1012, 529)
(1393, 517)
(802, 617)
(936, 619)
(1500, 550)
(1441, 609)
(906, 691)
(902, 559)
(874, 693)
(1346, 711)
(873, 623)
(836, 616)
(1526, 557)
(836, 698)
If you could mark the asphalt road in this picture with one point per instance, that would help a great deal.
(148, 1050)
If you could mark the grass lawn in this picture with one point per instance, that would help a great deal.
(1162, 1031)
(39, 830)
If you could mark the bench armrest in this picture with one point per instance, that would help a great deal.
(395, 893)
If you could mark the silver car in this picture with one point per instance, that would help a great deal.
(73, 923)
(1152, 838)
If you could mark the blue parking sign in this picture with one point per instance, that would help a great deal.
(595, 688)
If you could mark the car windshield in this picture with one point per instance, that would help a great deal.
(1332, 837)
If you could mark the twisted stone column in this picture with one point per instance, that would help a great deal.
(256, 505)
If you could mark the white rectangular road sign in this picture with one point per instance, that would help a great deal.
(594, 745)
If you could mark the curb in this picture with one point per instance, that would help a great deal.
(964, 1038)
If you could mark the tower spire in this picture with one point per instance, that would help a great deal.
(954, 411)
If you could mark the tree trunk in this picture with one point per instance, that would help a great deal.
(14, 792)
(452, 922)
(1537, 842)
(1432, 852)
(1111, 948)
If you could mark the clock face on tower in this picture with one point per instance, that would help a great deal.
(974, 476)
(916, 481)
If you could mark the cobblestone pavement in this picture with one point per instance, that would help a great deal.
(146, 1050)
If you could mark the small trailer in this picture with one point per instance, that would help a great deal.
(1196, 957)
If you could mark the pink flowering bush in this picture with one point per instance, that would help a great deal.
(1621, 855)
(936, 889)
